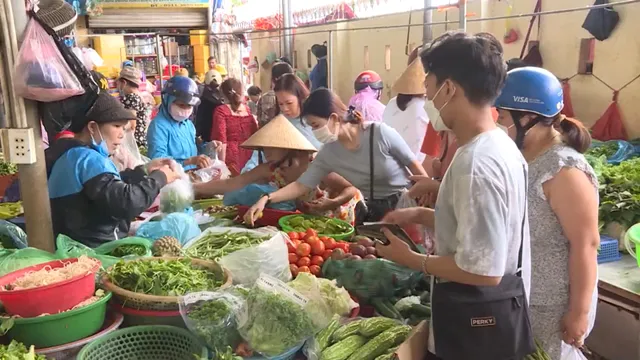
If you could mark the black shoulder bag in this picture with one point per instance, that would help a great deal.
(483, 322)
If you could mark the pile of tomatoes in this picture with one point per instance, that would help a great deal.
(307, 251)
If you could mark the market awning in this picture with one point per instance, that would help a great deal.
(150, 18)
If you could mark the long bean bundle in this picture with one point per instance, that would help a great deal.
(213, 246)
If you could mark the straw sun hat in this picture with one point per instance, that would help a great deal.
(279, 133)
(411, 82)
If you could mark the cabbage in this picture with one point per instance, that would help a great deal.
(333, 299)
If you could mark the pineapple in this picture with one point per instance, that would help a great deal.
(167, 246)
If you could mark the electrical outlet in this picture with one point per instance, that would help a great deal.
(19, 146)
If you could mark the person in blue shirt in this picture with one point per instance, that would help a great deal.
(171, 134)
(318, 75)
(91, 201)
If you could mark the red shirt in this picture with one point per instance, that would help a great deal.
(233, 130)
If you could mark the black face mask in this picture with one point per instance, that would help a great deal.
(521, 131)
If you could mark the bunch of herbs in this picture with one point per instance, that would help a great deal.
(214, 321)
(163, 277)
(213, 246)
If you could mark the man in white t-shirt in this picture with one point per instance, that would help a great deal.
(481, 204)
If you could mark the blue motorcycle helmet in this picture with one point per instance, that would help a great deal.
(182, 89)
(530, 90)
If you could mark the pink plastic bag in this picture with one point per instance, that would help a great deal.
(42, 74)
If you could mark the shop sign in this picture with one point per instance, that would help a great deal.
(145, 4)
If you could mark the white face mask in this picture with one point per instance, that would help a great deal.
(324, 135)
(178, 113)
(434, 113)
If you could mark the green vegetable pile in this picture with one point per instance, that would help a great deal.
(143, 151)
(162, 277)
(619, 187)
(607, 150)
(17, 351)
(213, 246)
(275, 324)
(126, 250)
(7, 168)
(215, 323)
(226, 354)
(322, 225)
(328, 298)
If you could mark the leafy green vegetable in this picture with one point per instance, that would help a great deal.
(227, 354)
(7, 168)
(607, 149)
(124, 250)
(215, 323)
(214, 246)
(143, 151)
(17, 351)
(324, 293)
(162, 277)
(619, 187)
(275, 324)
(322, 225)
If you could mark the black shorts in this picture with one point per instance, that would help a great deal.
(431, 356)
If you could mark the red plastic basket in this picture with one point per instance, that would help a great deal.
(49, 299)
(269, 216)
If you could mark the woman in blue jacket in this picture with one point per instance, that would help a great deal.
(171, 134)
(91, 201)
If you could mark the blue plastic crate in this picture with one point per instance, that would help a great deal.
(608, 250)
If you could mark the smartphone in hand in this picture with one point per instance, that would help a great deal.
(374, 231)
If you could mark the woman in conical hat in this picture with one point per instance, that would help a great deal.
(284, 155)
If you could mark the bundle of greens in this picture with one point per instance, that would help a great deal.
(619, 187)
(325, 294)
(125, 250)
(606, 149)
(17, 351)
(215, 245)
(7, 168)
(275, 323)
(323, 225)
(214, 321)
(162, 277)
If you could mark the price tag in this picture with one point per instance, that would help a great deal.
(272, 284)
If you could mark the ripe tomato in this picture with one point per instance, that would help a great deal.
(315, 270)
(293, 235)
(317, 247)
(304, 261)
(311, 239)
(292, 245)
(323, 238)
(329, 243)
(293, 258)
(294, 270)
(327, 254)
(301, 235)
(342, 245)
(317, 260)
(303, 269)
(303, 249)
(311, 232)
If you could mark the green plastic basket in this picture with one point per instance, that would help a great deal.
(157, 342)
(344, 236)
(632, 240)
(62, 328)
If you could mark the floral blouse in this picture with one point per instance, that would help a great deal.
(134, 102)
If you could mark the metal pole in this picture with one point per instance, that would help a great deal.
(330, 60)
(159, 60)
(210, 27)
(287, 17)
(427, 19)
(33, 177)
(462, 13)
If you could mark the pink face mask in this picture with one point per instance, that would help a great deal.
(178, 113)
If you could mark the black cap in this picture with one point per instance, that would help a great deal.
(106, 109)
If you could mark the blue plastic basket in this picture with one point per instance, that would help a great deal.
(608, 250)
(288, 355)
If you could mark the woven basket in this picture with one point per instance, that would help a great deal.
(139, 301)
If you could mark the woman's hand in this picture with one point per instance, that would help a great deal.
(396, 251)
(321, 205)
(255, 212)
(574, 327)
(424, 185)
(169, 173)
(200, 161)
(400, 216)
(156, 164)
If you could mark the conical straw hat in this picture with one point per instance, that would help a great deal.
(279, 133)
(411, 82)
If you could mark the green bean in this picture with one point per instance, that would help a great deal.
(214, 246)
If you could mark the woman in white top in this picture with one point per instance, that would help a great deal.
(405, 112)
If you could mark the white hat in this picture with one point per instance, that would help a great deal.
(279, 133)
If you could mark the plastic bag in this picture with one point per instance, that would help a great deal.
(367, 279)
(127, 156)
(270, 257)
(610, 125)
(333, 300)
(571, 353)
(567, 110)
(212, 317)
(177, 196)
(277, 318)
(42, 74)
(12, 260)
(217, 171)
(68, 248)
(181, 226)
(12, 236)
(418, 233)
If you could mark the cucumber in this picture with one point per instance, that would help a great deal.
(420, 310)
(385, 308)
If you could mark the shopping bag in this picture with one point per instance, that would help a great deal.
(571, 353)
(12, 259)
(181, 226)
(42, 74)
(418, 233)
(177, 196)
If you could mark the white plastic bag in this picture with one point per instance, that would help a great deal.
(177, 196)
(571, 353)
(127, 156)
(217, 171)
(42, 74)
(270, 257)
(418, 233)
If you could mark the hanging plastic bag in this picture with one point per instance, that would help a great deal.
(212, 317)
(181, 226)
(127, 156)
(571, 353)
(12, 236)
(12, 260)
(217, 171)
(270, 257)
(610, 125)
(107, 253)
(567, 110)
(277, 318)
(418, 233)
(177, 196)
(602, 21)
(41, 72)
